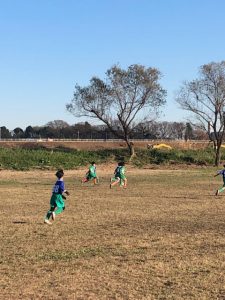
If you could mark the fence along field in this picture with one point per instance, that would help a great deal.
(162, 238)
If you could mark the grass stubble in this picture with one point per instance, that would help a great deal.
(162, 238)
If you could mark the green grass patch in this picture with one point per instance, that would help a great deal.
(174, 156)
(26, 159)
(70, 255)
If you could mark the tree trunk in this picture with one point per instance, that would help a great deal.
(131, 149)
(217, 154)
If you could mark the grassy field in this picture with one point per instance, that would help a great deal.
(162, 238)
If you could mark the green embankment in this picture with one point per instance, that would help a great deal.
(25, 159)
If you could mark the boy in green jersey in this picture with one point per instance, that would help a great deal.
(57, 204)
(119, 176)
(91, 174)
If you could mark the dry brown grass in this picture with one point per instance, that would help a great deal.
(162, 238)
(97, 145)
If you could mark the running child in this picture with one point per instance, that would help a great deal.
(57, 204)
(91, 174)
(116, 178)
(119, 176)
(221, 172)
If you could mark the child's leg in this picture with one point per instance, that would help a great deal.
(59, 210)
(117, 180)
(96, 180)
(121, 182)
(125, 183)
(112, 179)
(221, 189)
(85, 179)
(60, 205)
(57, 205)
(49, 213)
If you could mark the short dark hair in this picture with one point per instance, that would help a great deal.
(59, 174)
(93, 162)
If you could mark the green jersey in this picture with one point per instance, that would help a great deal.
(120, 172)
(91, 172)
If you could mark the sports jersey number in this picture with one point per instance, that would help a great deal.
(55, 189)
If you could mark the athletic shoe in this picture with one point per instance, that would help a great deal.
(47, 222)
(53, 216)
(217, 193)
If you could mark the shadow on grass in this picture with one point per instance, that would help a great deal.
(20, 222)
(181, 197)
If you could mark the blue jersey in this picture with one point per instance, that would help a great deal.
(222, 172)
(59, 187)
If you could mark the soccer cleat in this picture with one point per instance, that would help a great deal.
(53, 216)
(217, 193)
(47, 222)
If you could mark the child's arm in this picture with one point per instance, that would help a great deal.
(64, 191)
(67, 193)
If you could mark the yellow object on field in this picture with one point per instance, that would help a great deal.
(162, 146)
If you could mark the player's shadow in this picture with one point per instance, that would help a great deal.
(19, 222)
(181, 197)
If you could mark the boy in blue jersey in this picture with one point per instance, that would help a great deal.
(57, 204)
(221, 172)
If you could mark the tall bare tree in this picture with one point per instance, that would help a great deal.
(205, 99)
(124, 97)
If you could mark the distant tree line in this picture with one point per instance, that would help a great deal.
(59, 129)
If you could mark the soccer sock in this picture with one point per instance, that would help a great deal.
(221, 189)
(48, 214)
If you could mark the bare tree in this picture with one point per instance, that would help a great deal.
(178, 129)
(205, 99)
(124, 97)
(164, 130)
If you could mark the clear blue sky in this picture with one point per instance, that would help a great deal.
(47, 46)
